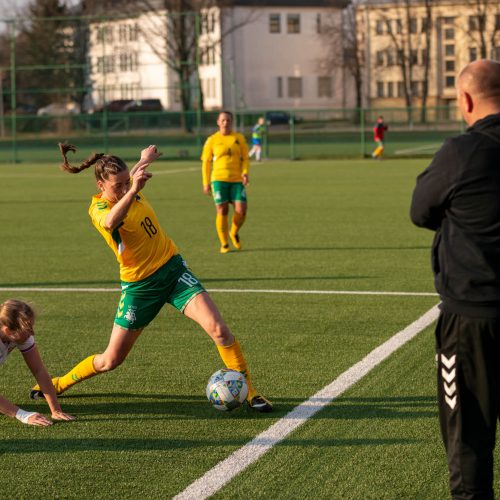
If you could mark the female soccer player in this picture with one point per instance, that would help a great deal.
(228, 151)
(258, 131)
(152, 272)
(16, 331)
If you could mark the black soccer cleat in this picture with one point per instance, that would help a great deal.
(260, 404)
(36, 394)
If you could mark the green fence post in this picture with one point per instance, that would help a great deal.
(362, 127)
(292, 136)
(13, 91)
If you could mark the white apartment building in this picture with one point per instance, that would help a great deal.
(390, 29)
(271, 56)
(253, 54)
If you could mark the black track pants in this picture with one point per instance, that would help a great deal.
(468, 396)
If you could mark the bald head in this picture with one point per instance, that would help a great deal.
(481, 79)
(478, 90)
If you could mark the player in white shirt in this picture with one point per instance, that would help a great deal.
(16, 331)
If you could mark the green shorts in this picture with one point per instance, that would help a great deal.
(141, 301)
(224, 192)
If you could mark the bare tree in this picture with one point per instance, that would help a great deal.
(483, 28)
(406, 43)
(173, 29)
(340, 35)
(426, 59)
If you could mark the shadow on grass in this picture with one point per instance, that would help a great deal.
(119, 406)
(71, 445)
(330, 249)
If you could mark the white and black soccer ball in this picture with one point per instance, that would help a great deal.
(227, 389)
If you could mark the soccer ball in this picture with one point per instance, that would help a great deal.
(227, 389)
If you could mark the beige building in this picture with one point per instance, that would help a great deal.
(399, 38)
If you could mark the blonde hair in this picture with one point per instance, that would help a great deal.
(16, 315)
(105, 165)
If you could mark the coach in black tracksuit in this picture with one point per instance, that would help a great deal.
(458, 197)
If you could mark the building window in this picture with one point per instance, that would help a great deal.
(472, 54)
(401, 89)
(424, 54)
(399, 26)
(449, 34)
(390, 89)
(379, 58)
(497, 22)
(413, 25)
(474, 23)
(425, 24)
(496, 53)
(449, 66)
(449, 82)
(133, 32)
(318, 24)
(390, 58)
(293, 23)
(449, 50)
(324, 86)
(379, 27)
(294, 86)
(448, 20)
(414, 56)
(388, 26)
(279, 88)
(274, 23)
(380, 89)
(122, 32)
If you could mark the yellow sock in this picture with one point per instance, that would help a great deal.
(82, 371)
(221, 225)
(233, 358)
(237, 222)
(378, 152)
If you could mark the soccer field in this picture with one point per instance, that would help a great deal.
(318, 233)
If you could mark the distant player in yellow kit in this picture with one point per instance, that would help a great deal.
(226, 154)
(152, 272)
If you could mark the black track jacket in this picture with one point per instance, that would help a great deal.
(458, 197)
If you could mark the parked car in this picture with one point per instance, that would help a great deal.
(281, 118)
(130, 105)
(26, 109)
(115, 106)
(59, 109)
(144, 105)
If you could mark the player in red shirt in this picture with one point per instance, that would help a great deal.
(378, 136)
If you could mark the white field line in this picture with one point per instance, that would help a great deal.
(416, 150)
(213, 480)
(225, 290)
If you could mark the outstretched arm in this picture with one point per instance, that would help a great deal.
(11, 410)
(35, 364)
(148, 156)
(138, 178)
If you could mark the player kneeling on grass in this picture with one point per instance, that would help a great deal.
(152, 272)
(16, 330)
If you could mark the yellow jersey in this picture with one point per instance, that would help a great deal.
(139, 243)
(229, 154)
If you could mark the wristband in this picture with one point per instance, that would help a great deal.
(23, 415)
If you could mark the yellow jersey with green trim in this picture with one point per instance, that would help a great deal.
(228, 156)
(139, 243)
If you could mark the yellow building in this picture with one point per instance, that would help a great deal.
(414, 47)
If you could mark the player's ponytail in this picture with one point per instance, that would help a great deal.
(105, 165)
(64, 148)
